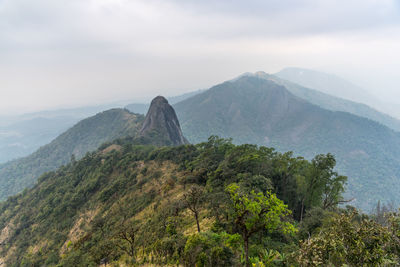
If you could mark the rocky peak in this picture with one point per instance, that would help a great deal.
(161, 123)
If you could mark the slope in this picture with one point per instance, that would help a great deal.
(259, 111)
(333, 103)
(87, 135)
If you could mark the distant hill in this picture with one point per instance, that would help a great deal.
(87, 135)
(23, 137)
(139, 108)
(326, 83)
(260, 111)
(20, 135)
(331, 102)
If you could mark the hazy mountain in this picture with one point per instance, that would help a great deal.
(21, 135)
(330, 102)
(175, 99)
(87, 135)
(327, 83)
(139, 108)
(255, 110)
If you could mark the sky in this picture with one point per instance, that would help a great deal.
(69, 53)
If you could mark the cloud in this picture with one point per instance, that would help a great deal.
(74, 52)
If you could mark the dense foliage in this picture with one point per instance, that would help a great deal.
(211, 204)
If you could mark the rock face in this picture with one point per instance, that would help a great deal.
(161, 124)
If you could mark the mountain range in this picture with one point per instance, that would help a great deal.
(255, 108)
(210, 204)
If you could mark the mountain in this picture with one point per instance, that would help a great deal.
(260, 111)
(333, 103)
(327, 83)
(161, 126)
(85, 136)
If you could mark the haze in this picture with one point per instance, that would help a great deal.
(68, 53)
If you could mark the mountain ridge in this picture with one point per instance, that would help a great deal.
(332, 102)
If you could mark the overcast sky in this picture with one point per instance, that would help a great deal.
(66, 53)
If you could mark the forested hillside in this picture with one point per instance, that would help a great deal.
(85, 136)
(259, 111)
(211, 204)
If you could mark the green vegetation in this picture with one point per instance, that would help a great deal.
(255, 212)
(84, 137)
(211, 204)
(259, 111)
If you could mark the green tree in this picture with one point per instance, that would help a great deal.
(321, 186)
(253, 212)
(192, 199)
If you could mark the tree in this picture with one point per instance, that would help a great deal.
(253, 212)
(127, 234)
(321, 186)
(192, 199)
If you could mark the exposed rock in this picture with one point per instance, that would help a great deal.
(161, 124)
